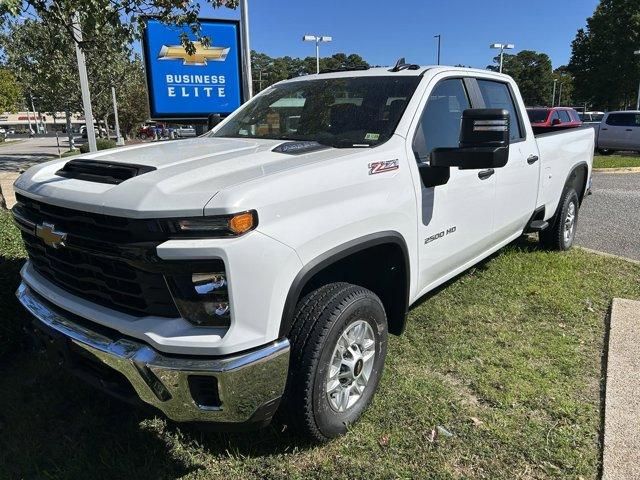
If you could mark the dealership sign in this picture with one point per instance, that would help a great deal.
(183, 85)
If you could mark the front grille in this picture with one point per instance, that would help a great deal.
(100, 261)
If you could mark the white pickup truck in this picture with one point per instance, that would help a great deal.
(258, 269)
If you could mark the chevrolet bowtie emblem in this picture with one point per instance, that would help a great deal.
(47, 232)
(201, 56)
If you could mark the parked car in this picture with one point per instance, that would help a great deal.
(556, 117)
(257, 269)
(591, 117)
(100, 131)
(619, 131)
(184, 131)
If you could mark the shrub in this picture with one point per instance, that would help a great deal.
(101, 143)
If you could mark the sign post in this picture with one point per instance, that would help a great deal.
(185, 86)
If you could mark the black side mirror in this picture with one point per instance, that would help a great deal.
(484, 141)
(555, 121)
(213, 120)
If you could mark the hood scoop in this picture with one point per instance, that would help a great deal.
(298, 148)
(102, 172)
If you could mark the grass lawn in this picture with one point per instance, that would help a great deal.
(615, 161)
(506, 359)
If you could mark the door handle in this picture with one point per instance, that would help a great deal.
(604, 129)
(532, 159)
(484, 174)
(629, 130)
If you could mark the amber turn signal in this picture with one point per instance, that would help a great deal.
(241, 223)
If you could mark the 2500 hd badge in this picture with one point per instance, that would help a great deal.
(439, 235)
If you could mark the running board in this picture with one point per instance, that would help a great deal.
(537, 226)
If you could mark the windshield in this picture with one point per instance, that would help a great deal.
(538, 115)
(340, 112)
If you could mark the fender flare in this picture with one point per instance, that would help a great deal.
(334, 255)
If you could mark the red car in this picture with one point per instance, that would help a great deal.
(554, 117)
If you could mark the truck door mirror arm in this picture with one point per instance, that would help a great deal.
(484, 142)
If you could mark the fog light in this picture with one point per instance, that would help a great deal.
(202, 298)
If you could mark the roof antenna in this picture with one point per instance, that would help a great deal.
(399, 64)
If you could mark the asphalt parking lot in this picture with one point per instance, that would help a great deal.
(610, 218)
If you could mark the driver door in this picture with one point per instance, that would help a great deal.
(456, 219)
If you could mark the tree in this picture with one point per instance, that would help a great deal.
(603, 63)
(267, 70)
(121, 18)
(532, 72)
(10, 91)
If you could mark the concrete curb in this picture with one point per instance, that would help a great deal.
(617, 170)
(610, 255)
(621, 449)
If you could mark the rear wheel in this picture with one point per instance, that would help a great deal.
(561, 232)
(338, 348)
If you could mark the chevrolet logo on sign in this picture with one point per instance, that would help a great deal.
(201, 56)
(48, 234)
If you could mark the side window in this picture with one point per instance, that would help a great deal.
(564, 116)
(554, 116)
(616, 119)
(497, 95)
(441, 119)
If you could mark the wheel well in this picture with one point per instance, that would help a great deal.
(382, 268)
(578, 180)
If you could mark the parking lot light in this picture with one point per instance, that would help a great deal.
(637, 52)
(502, 47)
(318, 39)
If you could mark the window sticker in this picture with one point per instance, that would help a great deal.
(372, 136)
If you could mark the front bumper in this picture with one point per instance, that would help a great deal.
(243, 388)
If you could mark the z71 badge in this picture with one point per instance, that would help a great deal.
(383, 166)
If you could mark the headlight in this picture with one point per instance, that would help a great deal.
(218, 226)
(202, 298)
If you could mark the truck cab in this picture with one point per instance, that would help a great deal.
(260, 267)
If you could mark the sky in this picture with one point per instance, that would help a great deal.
(381, 31)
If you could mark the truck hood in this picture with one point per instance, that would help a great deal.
(188, 173)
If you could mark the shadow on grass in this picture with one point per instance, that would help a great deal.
(52, 425)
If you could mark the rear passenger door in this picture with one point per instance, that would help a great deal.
(612, 131)
(517, 181)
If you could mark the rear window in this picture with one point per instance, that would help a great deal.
(538, 115)
(624, 119)
(498, 95)
(564, 116)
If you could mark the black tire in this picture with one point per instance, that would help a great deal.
(555, 237)
(320, 319)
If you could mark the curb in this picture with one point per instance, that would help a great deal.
(617, 170)
(622, 393)
(610, 255)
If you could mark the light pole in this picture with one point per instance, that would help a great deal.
(246, 50)
(560, 95)
(553, 98)
(502, 47)
(637, 52)
(318, 39)
(439, 37)
(84, 84)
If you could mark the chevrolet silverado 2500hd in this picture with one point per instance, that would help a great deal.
(258, 269)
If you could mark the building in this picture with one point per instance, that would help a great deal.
(46, 122)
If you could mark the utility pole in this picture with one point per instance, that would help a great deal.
(119, 139)
(84, 84)
(637, 52)
(35, 117)
(246, 50)
(439, 37)
(553, 98)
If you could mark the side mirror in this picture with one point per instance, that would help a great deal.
(213, 120)
(555, 121)
(484, 141)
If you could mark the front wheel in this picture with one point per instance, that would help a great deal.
(338, 348)
(562, 231)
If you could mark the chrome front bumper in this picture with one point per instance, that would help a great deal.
(244, 388)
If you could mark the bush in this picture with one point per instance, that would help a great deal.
(101, 143)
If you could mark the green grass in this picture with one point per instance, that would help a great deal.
(507, 358)
(615, 161)
(70, 153)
